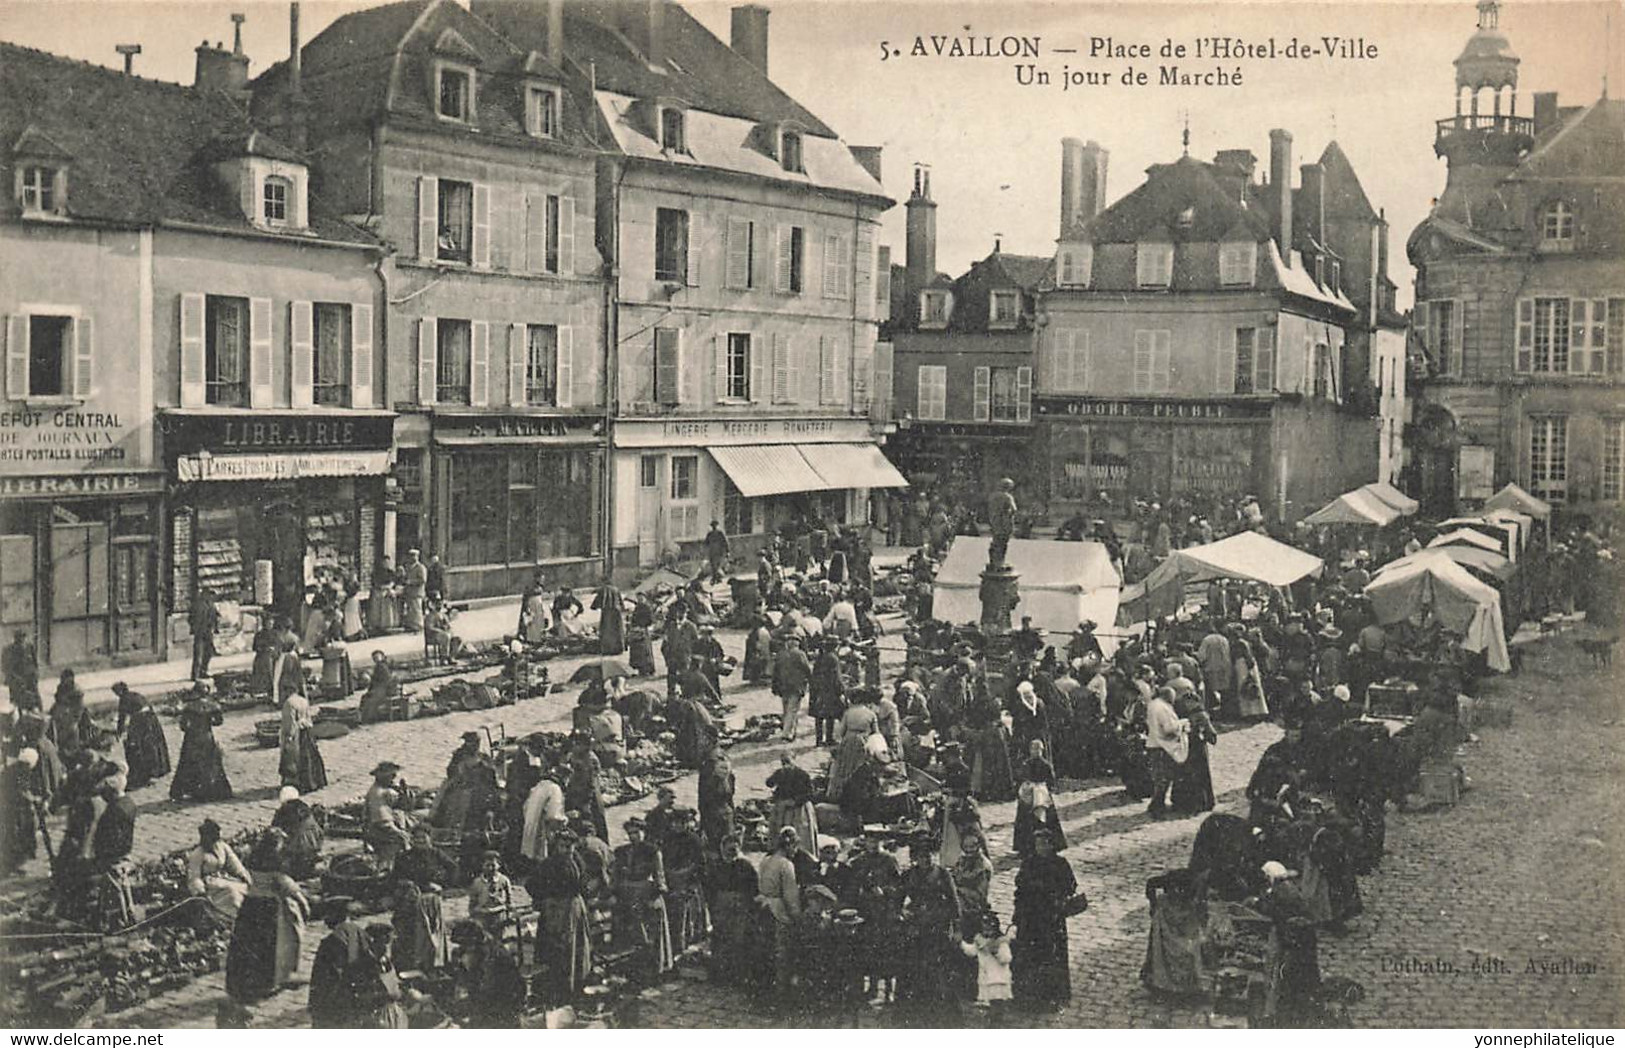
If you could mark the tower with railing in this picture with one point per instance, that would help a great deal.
(1486, 129)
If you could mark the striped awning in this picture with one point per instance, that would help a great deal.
(783, 469)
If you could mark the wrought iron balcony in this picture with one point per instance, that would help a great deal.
(1481, 123)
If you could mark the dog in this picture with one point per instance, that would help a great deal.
(1601, 650)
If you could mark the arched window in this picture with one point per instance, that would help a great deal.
(1557, 223)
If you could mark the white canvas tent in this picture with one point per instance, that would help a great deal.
(1061, 584)
(1468, 555)
(1247, 556)
(1504, 533)
(1460, 603)
(1466, 537)
(1355, 507)
(1400, 501)
(1514, 497)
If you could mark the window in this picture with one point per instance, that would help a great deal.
(1006, 307)
(1588, 336)
(1323, 369)
(671, 245)
(933, 308)
(50, 349)
(544, 111)
(37, 189)
(541, 364)
(225, 349)
(1557, 225)
(1071, 361)
(837, 267)
(455, 94)
(1614, 335)
(274, 207)
(741, 271)
(453, 367)
(330, 366)
(1613, 459)
(1569, 336)
(672, 139)
(1549, 457)
(1543, 335)
(1008, 393)
(1153, 367)
(502, 512)
(685, 488)
(1246, 339)
(648, 471)
(1337, 276)
(455, 227)
(933, 393)
(1237, 264)
(792, 259)
(737, 382)
(668, 345)
(1442, 332)
(550, 248)
(1320, 270)
(1073, 268)
(790, 152)
(738, 512)
(1154, 265)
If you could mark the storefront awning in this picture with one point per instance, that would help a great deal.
(768, 469)
(852, 466)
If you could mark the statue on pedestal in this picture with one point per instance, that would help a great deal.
(1001, 515)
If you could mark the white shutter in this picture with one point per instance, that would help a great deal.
(1082, 362)
(696, 244)
(1458, 328)
(1162, 362)
(792, 382)
(863, 272)
(1599, 336)
(737, 274)
(518, 357)
(1024, 394)
(480, 249)
(301, 351)
(838, 371)
(428, 217)
(1063, 363)
(1526, 333)
(1142, 362)
(479, 364)
(361, 355)
(17, 357)
(508, 229)
(826, 371)
(428, 372)
(194, 384)
(922, 392)
(1264, 361)
(259, 352)
(564, 366)
(84, 358)
(567, 235)
(981, 394)
(719, 362)
(758, 365)
(1224, 371)
(535, 234)
(863, 362)
(782, 281)
(781, 369)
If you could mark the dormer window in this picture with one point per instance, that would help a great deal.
(1337, 276)
(1320, 270)
(542, 109)
(1074, 265)
(790, 152)
(454, 92)
(934, 308)
(1154, 264)
(1237, 264)
(1557, 226)
(672, 136)
(274, 206)
(1005, 309)
(37, 189)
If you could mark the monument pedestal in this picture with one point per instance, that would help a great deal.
(1000, 594)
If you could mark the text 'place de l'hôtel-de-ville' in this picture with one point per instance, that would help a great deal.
(558, 284)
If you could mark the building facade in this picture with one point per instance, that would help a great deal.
(1520, 293)
(1192, 342)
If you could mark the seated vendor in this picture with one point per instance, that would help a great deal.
(879, 791)
(378, 703)
(386, 830)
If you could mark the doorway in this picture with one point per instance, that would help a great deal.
(649, 544)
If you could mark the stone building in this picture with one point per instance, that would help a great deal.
(1520, 292)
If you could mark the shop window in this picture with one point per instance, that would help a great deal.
(1549, 458)
(454, 339)
(685, 492)
(567, 527)
(671, 245)
(455, 225)
(409, 473)
(479, 520)
(225, 361)
(541, 364)
(737, 380)
(738, 512)
(50, 355)
(330, 365)
(649, 471)
(521, 509)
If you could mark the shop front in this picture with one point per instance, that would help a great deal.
(264, 505)
(962, 463)
(752, 476)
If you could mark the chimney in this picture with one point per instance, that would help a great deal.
(921, 247)
(643, 23)
(749, 35)
(1312, 198)
(868, 158)
(221, 70)
(1083, 189)
(555, 32)
(1239, 162)
(1281, 191)
(1382, 254)
(1545, 111)
(296, 96)
(129, 51)
(1071, 176)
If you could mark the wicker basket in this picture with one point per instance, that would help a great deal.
(268, 733)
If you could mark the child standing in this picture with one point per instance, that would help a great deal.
(991, 948)
(490, 897)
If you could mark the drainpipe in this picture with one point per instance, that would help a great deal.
(381, 369)
(612, 368)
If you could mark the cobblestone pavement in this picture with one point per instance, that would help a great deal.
(1515, 877)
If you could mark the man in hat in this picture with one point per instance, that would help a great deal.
(682, 638)
(466, 753)
(792, 674)
(204, 620)
(1084, 644)
(415, 583)
(931, 916)
(658, 822)
(20, 666)
(716, 550)
(494, 986)
(1001, 517)
(1028, 641)
(683, 855)
(778, 891)
(1217, 668)
(711, 659)
(387, 829)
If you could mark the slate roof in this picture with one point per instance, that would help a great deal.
(1345, 197)
(139, 152)
(1213, 196)
(1024, 271)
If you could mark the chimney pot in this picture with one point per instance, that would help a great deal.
(748, 36)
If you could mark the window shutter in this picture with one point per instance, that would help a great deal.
(361, 355)
(301, 348)
(863, 272)
(567, 235)
(428, 373)
(981, 394)
(826, 371)
(1458, 328)
(479, 364)
(480, 249)
(193, 381)
(737, 275)
(1264, 361)
(758, 381)
(837, 352)
(863, 362)
(781, 369)
(1142, 362)
(17, 357)
(428, 217)
(1024, 394)
(1081, 362)
(1526, 335)
(719, 366)
(832, 261)
(259, 352)
(518, 361)
(1616, 335)
(84, 360)
(668, 343)
(792, 381)
(782, 281)
(922, 392)
(1063, 347)
(565, 366)
(1162, 361)
(535, 253)
(1599, 335)
(1224, 374)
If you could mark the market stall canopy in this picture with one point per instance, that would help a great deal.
(1470, 556)
(1461, 604)
(1391, 495)
(1514, 497)
(1247, 556)
(758, 470)
(1465, 536)
(1354, 507)
(1061, 584)
(1504, 533)
(1525, 522)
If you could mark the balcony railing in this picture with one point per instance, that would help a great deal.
(1482, 123)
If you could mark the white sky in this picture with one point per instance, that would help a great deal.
(993, 146)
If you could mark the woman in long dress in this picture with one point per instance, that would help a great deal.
(419, 918)
(1040, 973)
(301, 763)
(1173, 951)
(215, 874)
(641, 921)
(270, 926)
(145, 749)
(1035, 804)
(1249, 682)
(611, 608)
(200, 773)
(383, 609)
(991, 776)
(563, 939)
(69, 727)
(852, 734)
(1193, 784)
